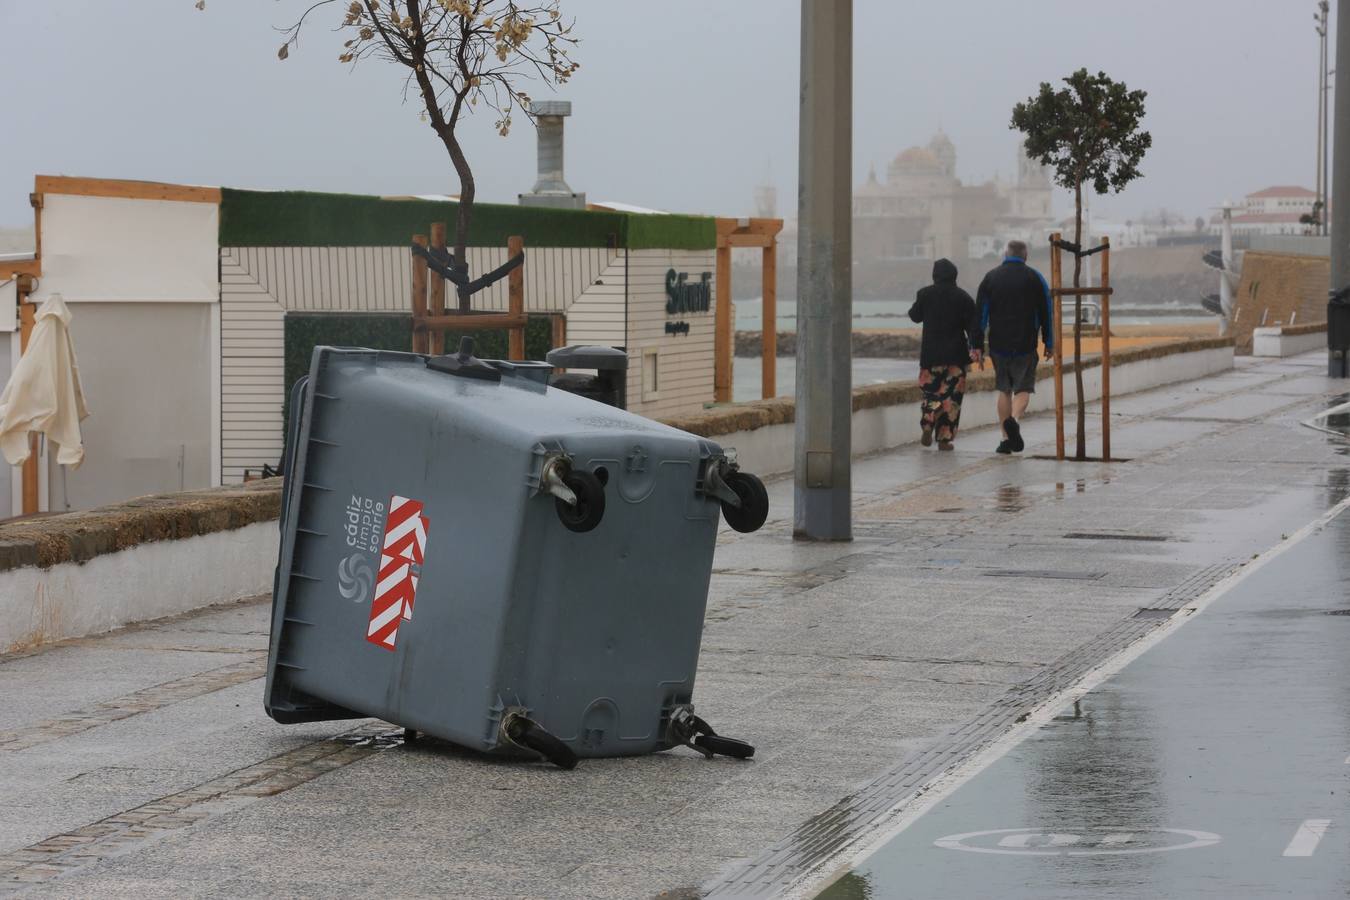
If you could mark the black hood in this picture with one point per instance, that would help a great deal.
(943, 270)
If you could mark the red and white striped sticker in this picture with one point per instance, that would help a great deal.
(405, 541)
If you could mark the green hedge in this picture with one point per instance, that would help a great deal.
(308, 219)
(392, 332)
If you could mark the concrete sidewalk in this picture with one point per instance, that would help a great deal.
(141, 764)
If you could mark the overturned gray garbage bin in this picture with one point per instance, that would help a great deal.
(472, 554)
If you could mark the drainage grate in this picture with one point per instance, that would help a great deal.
(1152, 612)
(1105, 536)
(1044, 573)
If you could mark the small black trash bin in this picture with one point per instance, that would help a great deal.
(608, 385)
(1338, 334)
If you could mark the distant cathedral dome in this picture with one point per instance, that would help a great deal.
(915, 161)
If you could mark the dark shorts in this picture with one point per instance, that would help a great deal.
(1015, 374)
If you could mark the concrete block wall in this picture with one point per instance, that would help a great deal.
(83, 573)
(1283, 341)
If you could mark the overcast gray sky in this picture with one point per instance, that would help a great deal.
(681, 106)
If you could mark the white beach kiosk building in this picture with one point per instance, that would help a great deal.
(195, 307)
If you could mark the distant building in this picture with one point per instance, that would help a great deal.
(923, 211)
(1273, 210)
(766, 200)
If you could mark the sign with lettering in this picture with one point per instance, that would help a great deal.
(684, 296)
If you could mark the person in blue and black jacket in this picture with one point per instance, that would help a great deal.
(1014, 303)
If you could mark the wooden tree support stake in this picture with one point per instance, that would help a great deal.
(1106, 349)
(1058, 292)
(437, 285)
(431, 319)
(420, 342)
(515, 303)
(1056, 280)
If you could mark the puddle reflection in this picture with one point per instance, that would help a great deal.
(1099, 766)
(1009, 499)
(853, 886)
(1338, 485)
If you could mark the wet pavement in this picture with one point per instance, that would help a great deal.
(1217, 764)
(977, 589)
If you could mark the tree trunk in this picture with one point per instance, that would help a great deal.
(464, 209)
(1081, 451)
(445, 129)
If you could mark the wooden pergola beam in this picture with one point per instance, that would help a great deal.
(750, 232)
(740, 239)
(131, 190)
(727, 225)
(16, 267)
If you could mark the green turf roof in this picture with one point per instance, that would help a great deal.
(308, 219)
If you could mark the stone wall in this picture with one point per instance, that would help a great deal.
(77, 537)
(1279, 289)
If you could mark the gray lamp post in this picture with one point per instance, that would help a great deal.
(823, 454)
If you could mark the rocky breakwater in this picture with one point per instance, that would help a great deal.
(869, 344)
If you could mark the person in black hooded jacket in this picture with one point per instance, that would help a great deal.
(951, 330)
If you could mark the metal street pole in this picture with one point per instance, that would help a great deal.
(1320, 166)
(1326, 124)
(1338, 307)
(823, 453)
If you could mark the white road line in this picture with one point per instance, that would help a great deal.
(1308, 836)
(944, 786)
(1323, 415)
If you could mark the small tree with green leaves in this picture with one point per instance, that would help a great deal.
(1313, 218)
(460, 54)
(1088, 133)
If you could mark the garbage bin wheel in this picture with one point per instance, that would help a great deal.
(546, 745)
(725, 746)
(754, 508)
(590, 505)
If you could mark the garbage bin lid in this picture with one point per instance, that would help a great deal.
(588, 356)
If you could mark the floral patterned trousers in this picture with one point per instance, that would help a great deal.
(943, 387)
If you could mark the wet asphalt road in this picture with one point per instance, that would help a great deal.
(1217, 764)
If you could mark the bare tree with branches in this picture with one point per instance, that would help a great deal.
(460, 54)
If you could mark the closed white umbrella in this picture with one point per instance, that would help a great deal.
(43, 393)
